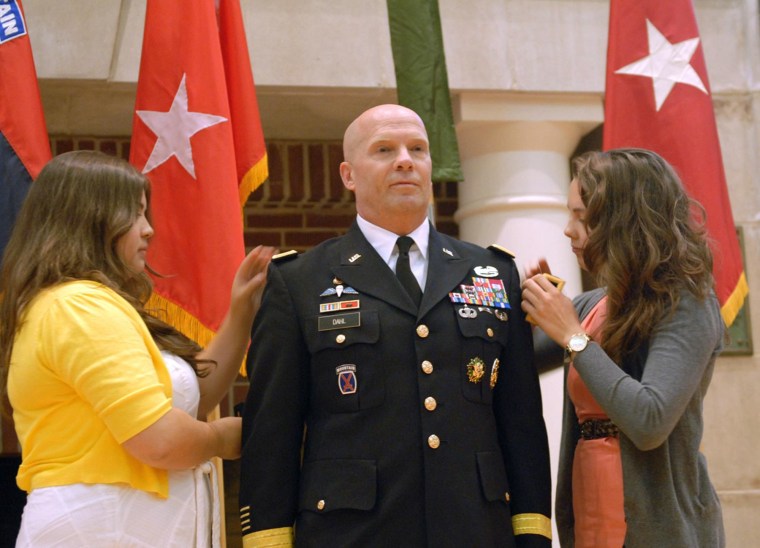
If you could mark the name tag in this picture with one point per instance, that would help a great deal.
(339, 321)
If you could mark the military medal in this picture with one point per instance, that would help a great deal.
(475, 370)
(494, 373)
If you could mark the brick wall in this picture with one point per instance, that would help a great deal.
(301, 204)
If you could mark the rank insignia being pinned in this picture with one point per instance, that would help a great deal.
(494, 373)
(475, 370)
(486, 271)
(347, 382)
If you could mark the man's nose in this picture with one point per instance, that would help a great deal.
(404, 159)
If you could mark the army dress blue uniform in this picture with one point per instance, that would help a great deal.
(371, 423)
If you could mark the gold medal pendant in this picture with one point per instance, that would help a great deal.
(476, 368)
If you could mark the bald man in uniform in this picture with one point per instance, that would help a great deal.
(393, 397)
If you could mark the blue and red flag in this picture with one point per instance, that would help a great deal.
(24, 145)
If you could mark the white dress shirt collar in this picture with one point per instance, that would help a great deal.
(384, 241)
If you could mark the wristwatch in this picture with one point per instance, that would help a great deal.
(577, 343)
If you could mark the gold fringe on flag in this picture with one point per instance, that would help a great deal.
(180, 319)
(253, 179)
(735, 301)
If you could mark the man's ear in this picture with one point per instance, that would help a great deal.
(346, 174)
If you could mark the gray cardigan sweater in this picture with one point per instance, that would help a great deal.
(668, 497)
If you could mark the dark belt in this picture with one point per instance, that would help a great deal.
(594, 429)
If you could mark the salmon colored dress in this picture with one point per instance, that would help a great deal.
(597, 469)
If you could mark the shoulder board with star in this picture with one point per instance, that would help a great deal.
(285, 256)
(502, 250)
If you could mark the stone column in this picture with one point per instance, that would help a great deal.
(515, 151)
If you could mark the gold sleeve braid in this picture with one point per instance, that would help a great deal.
(281, 537)
(534, 524)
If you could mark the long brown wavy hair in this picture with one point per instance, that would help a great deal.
(75, 212)
(646, 242)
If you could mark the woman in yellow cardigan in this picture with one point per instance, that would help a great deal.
(106, 397)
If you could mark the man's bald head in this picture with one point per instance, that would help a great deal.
(364, 125)
(387, 166)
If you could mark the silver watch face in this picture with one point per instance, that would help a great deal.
(577, 343)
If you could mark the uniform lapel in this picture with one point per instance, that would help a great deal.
(446, 269)
(358, 265)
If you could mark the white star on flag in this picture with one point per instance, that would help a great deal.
(667, 65)
(174, 129)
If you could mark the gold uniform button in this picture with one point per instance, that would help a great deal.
(490, 332)
(427, 367)
(506, 496)
(340, 339)
(430, 403)
(434, 442)
(321, 505)
(423, 331)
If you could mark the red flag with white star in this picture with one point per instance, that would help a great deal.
(187, 130)
(658, 97)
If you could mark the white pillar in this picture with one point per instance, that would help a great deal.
(515, 151)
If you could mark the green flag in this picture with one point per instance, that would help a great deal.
(421, 79)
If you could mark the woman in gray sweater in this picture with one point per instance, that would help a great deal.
(639, 356)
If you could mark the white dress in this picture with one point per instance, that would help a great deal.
(82, 515)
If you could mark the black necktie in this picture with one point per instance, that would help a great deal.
(404, 271)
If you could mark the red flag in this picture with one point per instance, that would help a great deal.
(185, 138)
(24, 145)
(658, 97)
(250, 148)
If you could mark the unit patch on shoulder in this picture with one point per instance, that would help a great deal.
(502, 250)
(285, 256)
